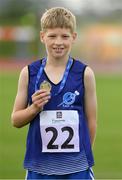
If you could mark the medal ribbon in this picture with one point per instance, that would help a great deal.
(68, 66)
(40, 73)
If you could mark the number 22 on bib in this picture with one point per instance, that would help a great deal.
(59, 131)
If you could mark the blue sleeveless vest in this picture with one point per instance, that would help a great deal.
(59, 163)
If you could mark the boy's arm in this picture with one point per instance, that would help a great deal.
(22, 113)
(90, 102)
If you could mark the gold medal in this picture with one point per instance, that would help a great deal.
(45, 85)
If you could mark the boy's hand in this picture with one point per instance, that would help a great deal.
(40, 98)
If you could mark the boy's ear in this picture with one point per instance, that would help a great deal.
(74, 35)
(42, 36)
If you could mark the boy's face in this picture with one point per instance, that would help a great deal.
(58, 42)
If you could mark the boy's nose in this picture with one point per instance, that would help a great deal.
(58, 41)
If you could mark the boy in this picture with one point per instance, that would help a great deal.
(57, 96)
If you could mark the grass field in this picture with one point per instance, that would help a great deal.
(108, 146)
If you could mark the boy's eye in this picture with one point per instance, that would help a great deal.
(65, 36)
(52, 36)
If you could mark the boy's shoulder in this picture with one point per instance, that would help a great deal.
(36, 62)
(79, 63)
(34, 66)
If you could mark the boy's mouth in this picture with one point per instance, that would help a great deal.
(58, 49)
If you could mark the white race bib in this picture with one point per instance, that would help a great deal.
(59, 131)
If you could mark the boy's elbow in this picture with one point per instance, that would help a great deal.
(14, 122)
(94, 126)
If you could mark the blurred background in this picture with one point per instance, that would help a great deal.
(99, 44)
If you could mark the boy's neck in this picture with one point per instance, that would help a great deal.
(57, 62)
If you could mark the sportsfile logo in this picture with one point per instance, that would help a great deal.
(58, 115)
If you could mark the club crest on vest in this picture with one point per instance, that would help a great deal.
(69, 99)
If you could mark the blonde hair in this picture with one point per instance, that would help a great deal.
(58, 17)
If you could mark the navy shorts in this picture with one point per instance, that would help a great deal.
(88, 174)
